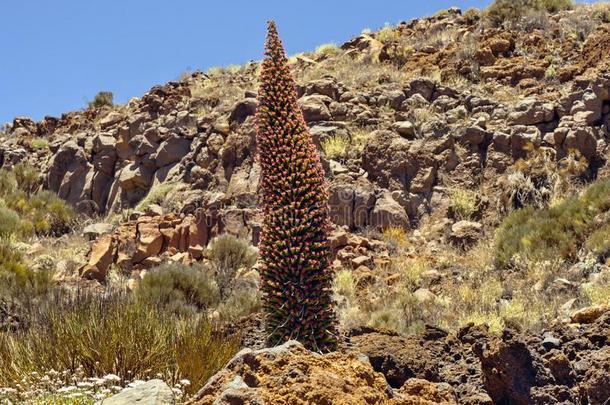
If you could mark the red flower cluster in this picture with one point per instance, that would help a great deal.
(294, 249)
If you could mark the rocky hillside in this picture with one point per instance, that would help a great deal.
(467, 161)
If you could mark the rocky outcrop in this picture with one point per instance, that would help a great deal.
(290, 374)
(568, 363)
(149, 240)
(104, 160)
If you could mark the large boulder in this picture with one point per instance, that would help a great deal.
(412, 163)
(513, 374)
(242, 110)
(326, 86)
(351, 202)
(172, 150)
(315, 107)
(68, 173)
(153, 392)
(398, 358)
(464, 233)
(388, 213)
(532, 112)
(101, 257)
(94, 231)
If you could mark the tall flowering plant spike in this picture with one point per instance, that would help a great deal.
(294, 248)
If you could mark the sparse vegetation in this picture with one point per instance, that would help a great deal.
(396, 237)
(507, 12)
(463, 203)
(538, 180)
(229, 255)
(156, 195)
(179, 288)
(90, 334)
(335, 147)
(40, 212)
(328, 50)
(40, 143)
(472, 15)
(556, 231)
(354, 72)
(388, 34)
(102, 99)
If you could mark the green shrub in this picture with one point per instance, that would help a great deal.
(388, 34)
(27, 177)
(472, 15)
(103, 98)
(8, 184)
(503, 12)
(11, 261)
(156, 195)
(40, 212)
(328, 50)
(179, 288)
(601, 12)
(229, 254)
(39, 143)
(553, 6)
(48, 214)
(462, 204)
(599, 241)
(17, 281)
(241, 302)
(117, 335)
(10, 223)
(558, 231)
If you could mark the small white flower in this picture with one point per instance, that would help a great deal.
(111, 377)
(185, 382)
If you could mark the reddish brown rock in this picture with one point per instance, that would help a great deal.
(101, 257)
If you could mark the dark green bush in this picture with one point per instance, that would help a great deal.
(179, 288)
(229, 254)
(103, 98)
(558, 231)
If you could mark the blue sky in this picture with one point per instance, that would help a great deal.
(56, 55)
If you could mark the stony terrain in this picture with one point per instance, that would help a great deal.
(432, 133)
(568, 364)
